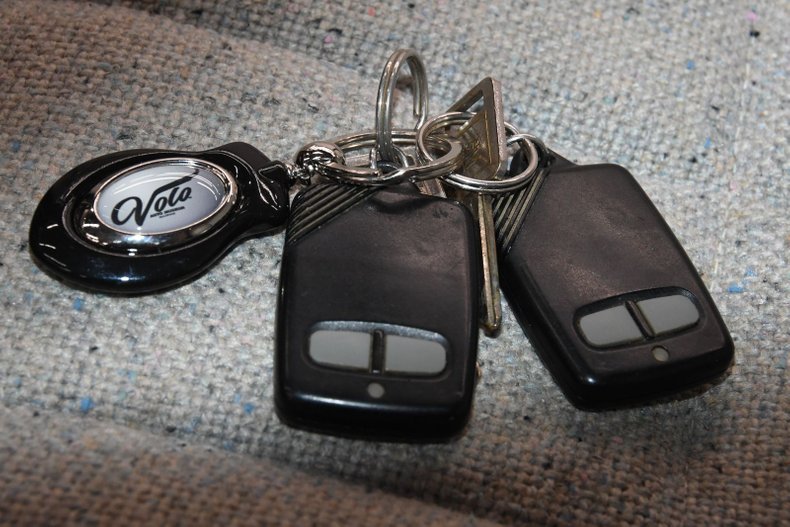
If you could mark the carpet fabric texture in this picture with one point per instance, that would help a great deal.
(158, 409)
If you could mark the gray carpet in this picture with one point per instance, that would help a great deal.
(158, 410)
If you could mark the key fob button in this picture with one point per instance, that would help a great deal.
(669, 313)
(609, 327)
(416, 356)
(341, 349)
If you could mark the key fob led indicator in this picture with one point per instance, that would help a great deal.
(146, 220)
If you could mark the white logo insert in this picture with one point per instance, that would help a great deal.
(163, 196)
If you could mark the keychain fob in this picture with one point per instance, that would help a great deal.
(141, 221)
(607, 295)
(377, 315)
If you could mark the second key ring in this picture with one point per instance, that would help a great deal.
(484, 186)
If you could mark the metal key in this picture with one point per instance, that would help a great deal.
(485, 157)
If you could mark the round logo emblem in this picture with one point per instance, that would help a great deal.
(163, 196)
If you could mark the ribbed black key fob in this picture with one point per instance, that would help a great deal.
(140, 221)
(600, 284)
(377, 315)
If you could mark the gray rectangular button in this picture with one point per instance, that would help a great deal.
(341, 348)
(669, 313)
(412, 355)
(609, 327)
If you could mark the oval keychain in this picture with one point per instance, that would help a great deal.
(142, 221)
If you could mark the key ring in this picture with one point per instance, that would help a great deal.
(328, 158)
(484, 186)
(384, 146)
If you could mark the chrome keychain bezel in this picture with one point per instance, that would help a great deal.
(91, 227)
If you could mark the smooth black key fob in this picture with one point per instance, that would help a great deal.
(600, 284)
(377, 316)
(141, 221)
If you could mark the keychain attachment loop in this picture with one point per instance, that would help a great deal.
(328, 158)
(312, 156)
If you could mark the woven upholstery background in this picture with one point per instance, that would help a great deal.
(158, 409)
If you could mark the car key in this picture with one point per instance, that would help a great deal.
(482, 136)
(377, 314)
(483, 139)
(598, 281)
(141, 221)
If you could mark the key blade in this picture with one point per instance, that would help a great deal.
(483, 136)
(485, 157)
(491, 297)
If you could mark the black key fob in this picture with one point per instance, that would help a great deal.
(377, 315)
(610, 300)
(141, 221)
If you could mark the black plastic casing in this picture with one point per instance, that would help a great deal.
(591, 237)
(261, 206)
(396, 258)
